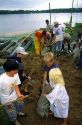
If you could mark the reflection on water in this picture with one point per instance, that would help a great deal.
(30, 22)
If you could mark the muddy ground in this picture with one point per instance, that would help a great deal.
(73, 79)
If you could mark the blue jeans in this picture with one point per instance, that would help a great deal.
(56, 47)
(13, 108)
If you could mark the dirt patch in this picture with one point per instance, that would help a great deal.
(34, 66)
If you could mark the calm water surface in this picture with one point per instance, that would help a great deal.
(11, 23)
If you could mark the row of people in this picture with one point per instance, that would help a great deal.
(52, 36)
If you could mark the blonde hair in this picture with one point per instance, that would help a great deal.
(55, 75)
(48, 56)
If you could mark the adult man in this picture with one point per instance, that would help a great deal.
(41, 38)
(58, 38)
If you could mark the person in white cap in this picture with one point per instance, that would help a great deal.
(20, 53)
(58, 38)
(21, 50)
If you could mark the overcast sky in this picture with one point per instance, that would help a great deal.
(37, 4)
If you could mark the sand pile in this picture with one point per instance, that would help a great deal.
(34, 67)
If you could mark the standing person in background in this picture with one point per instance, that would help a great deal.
(58, 97)
(20, 53)
(66, 30)
(48, 26)
(10, 94)
(66, 40)
(58, 38)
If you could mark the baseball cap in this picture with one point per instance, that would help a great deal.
(10, 64)
(21, 50)
(56, 23)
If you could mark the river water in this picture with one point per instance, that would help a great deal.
(13, 23)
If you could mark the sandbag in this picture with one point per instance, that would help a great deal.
(43, 104)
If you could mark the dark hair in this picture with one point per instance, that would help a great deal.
(47, 21)
(44, 33)
(11, 64)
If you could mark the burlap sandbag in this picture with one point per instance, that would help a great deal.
(43, 104)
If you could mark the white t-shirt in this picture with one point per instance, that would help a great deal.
(48, 28)
(7, 88)
(59, 100)
(58, 31)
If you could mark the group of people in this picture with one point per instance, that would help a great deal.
(14, 75)
(53, 37)
(57, 39)
(10, 93)
(57, 97)
(11, 96)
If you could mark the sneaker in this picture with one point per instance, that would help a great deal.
(62, 51)
(22, 114)
(17, 122)
(69, 51)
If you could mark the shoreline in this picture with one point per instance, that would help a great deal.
(12, 34)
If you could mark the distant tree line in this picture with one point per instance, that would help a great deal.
(73, 10)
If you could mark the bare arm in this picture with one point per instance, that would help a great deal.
(20, 96)
(45, 79)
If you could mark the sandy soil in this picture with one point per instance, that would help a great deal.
(73, 79)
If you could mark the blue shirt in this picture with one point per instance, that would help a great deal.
(47, 69)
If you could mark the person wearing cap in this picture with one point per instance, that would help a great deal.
(58, 97)
(20, 53)
(58, 38)
(10, 95)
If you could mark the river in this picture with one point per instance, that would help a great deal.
(13, 23)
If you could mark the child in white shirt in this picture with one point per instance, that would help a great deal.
(58, 98)
(10, 94)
